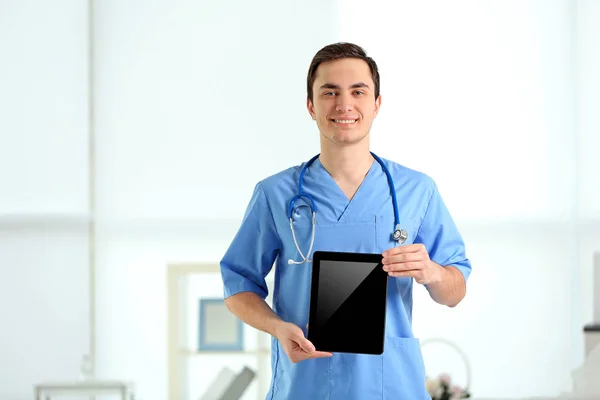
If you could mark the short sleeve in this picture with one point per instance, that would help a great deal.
(441, 237)
(253, 250)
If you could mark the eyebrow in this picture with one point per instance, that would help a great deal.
(337, 87)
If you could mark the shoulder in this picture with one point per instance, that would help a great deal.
(273, 191)
(410, 177)
(280, 179)
(283, 176)
(280, 183)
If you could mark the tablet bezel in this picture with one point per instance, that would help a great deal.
(370, 258)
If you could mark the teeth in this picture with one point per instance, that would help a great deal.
(345, 121)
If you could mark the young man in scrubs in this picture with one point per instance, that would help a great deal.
(355, 213)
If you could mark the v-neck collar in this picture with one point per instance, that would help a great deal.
(334, 195)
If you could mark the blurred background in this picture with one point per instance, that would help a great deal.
(133, 132)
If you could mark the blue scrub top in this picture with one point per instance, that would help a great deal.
(363, 224)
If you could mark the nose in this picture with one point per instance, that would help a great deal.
(344, 103)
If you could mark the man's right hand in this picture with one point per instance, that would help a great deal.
(295, 345)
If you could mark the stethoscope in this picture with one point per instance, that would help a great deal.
(399, 235)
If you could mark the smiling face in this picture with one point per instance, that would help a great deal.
(344, 103)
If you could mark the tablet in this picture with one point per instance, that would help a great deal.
(348, 303)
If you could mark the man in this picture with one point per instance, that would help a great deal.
(355, 213)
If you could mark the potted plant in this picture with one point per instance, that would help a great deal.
(441, 388)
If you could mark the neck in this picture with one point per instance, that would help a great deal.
(346, 163)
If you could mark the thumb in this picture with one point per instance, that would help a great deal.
(304, 343)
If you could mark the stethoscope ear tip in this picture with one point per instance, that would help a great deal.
(290, 261)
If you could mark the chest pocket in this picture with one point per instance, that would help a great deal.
(385, 228)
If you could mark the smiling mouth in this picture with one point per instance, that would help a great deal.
(344, 121)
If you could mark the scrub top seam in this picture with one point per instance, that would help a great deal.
(330, 379)
(273, 384)
(271, 214)
(382, 392)
(426, 209)
(378, 231)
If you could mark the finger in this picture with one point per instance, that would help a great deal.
(314, 354)
(404, 257)
(409, 248)
(407, 266)
(405, 274)
(320, 354)
(306, 345)
(301, 356)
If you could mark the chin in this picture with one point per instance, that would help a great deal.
(346, 141)
(344, 137)
(349, 137)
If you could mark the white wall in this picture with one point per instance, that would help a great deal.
(588, 122)
(496, 100)
(182, 84)
(479, 96)
(476, 92)
(43, 98)
(44, 292)
(196, 101)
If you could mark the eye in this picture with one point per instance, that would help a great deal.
(329, 94)
(359, 92)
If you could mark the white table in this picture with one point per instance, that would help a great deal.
(44, 391)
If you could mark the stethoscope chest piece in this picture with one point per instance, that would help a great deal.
(400, 235)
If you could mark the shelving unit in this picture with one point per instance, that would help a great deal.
(178, 355)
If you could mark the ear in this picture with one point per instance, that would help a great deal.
(377, 105)
(311, 108)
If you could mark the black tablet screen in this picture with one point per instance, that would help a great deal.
(348, 303)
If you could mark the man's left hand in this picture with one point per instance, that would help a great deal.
(412, 261)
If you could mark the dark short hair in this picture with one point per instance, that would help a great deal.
(338, 51)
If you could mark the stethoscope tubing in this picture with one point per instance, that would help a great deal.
(400, 235)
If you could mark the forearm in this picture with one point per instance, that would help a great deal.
(450, 289)
(254, 311)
